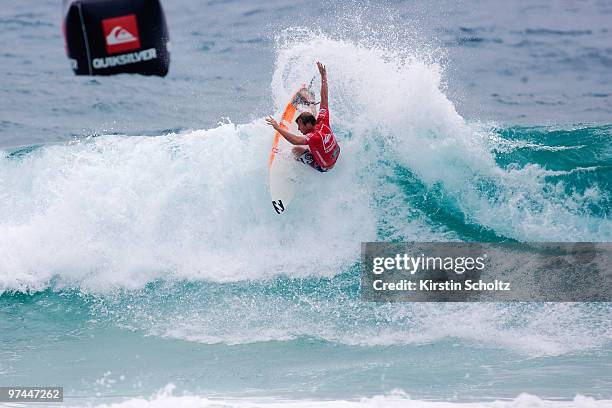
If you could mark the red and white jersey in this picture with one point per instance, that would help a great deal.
(322, 143)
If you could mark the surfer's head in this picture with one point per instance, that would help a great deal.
(306, 122)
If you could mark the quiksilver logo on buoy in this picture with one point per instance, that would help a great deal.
(125, 59)
(121, 34)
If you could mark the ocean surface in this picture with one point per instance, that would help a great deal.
(142, 265)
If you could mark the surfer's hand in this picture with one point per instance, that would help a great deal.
(322, 70)
(272, 122)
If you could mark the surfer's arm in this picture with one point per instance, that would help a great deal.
(323, 73)
(291, 138)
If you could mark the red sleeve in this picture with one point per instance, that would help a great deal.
(323, 116)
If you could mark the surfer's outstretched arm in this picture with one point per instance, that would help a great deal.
(323, 73)
(291, 138)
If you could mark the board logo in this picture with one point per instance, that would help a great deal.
(278, 206)
(121, 34)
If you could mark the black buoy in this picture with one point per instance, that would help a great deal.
(106, 37)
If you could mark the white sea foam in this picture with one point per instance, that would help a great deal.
(396, 399)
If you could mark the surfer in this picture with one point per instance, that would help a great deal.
(322, 150)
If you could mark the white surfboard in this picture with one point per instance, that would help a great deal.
(282, 167)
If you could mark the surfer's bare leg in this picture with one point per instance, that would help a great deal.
(298, 151)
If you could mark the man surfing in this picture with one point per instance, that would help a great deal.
(322, 151)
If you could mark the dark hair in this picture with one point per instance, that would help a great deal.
(306, 118)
